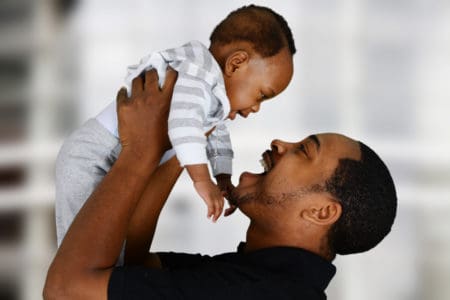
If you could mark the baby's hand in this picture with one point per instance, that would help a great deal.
(212, 196)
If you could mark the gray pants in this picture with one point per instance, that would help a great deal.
(84, 159)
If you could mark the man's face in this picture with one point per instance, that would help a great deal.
(257, 81)
(291, 172)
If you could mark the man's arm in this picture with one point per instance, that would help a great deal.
(143, 223)
(83, 264)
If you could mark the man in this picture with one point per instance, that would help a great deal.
(323, 196)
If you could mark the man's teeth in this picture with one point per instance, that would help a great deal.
(264, 165)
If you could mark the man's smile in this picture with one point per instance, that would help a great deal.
(248, 179)
(267, 161)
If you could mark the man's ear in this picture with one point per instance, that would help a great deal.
(235, 61)
(326, 211)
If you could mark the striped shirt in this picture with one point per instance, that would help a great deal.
(199, 103)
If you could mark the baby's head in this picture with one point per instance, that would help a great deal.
(254, 47)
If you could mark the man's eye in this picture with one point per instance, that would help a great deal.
(302, 148)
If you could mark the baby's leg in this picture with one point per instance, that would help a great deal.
(84, 159)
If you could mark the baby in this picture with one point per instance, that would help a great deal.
(249, 61)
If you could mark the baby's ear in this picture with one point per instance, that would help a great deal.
(235, 61)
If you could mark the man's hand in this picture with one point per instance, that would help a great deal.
(224, 184)
(143, 117)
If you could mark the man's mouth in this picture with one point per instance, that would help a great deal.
(266, 161)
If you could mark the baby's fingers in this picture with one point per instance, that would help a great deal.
(211, 211)
(218, 208)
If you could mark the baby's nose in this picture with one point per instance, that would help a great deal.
(255, 108)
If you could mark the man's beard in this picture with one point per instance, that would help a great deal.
(238, 200)
(268, 199)
(262, 198)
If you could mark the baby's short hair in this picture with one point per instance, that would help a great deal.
(267, 31)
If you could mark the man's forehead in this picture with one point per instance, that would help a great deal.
(337, 145)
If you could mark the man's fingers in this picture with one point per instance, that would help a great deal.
(122, 95)
(137, 86)
(230, 210)
(151, 80)
(169, 82)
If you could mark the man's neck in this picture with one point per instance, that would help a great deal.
(258, 238)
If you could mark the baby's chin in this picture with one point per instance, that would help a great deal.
(232, 115)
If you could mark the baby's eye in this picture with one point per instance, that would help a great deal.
(262, 96)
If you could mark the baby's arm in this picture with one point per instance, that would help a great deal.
(219, 151)
(209, 192)
(186, 133)
(220, 155)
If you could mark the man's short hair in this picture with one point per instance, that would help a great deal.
(267, 31)
(366, 192)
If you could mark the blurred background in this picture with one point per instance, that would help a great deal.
(375, 70)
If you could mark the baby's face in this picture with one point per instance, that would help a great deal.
(257, 81)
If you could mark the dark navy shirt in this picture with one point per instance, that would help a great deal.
(271, 273)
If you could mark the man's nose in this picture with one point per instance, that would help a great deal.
(278, 146)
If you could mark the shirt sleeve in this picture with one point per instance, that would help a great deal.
(186, 118)
(219, 150)
(178, 278)
(141, 283)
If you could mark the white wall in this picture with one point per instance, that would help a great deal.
(374, 70)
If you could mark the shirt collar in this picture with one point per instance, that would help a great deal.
(296, 261)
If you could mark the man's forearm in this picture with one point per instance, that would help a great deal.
(145, 217)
